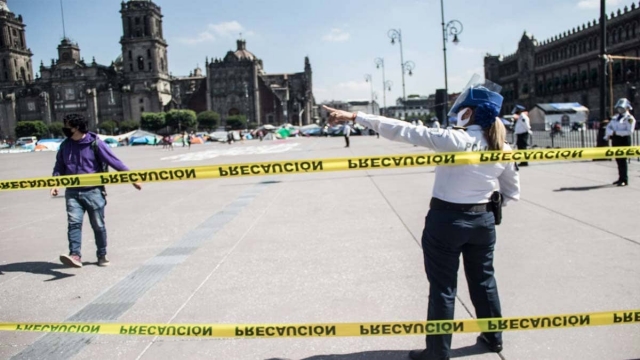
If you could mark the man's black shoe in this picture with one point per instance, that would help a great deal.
(492, 345)
(617, 182)
(422, 355)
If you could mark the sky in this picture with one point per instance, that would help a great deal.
(341, 37)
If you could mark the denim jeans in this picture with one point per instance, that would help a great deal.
(93, 202)
(447, 235)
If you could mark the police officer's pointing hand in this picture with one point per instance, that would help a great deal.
(336, 115)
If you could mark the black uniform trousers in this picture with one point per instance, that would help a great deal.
(522, 142)
(622, 162)
(346, 139)
(448, 234)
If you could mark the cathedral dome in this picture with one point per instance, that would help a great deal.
(242, 52)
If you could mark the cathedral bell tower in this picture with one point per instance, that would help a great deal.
(15, 57)
(144, 57)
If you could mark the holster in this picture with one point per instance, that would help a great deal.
(496, 206)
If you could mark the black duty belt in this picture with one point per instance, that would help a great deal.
(437, 204)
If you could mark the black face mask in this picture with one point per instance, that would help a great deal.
(67, 132)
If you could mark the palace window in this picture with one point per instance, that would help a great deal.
(140, 63)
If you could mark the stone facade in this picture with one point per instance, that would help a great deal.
(139, 81)
(237, 84)
(565, 68)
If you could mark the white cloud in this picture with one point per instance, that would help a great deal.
(336, 35)
(202, 37)
(221, 30)
(229, 29)
(595, 4)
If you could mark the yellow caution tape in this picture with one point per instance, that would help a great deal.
(318, 165)
(338, 329)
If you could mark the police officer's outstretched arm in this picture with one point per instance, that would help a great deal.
(397, 130)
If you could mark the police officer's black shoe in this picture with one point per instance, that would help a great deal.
(492, 345)
(617, 182)
(422, 355)
(622, 183)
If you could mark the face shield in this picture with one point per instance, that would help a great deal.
(624, 104)
(477, 92)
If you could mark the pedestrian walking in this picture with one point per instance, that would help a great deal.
(347, 133)
(84, 153)
(619, 130)
(464, 209)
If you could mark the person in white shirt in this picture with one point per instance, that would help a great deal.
(435, 124)
(461, 218)
(619, 130)
(522, 129)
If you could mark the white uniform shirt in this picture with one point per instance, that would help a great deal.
(622, 125)
(461, 184)
(522, 125)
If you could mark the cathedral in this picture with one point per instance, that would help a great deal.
(139, 80)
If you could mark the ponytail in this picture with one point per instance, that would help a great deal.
(496, 135)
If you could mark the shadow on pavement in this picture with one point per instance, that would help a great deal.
(583, 188)
(475, 349)
(38, 268)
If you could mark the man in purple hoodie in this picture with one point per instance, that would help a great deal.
(84, 153)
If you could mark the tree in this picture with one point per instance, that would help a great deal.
(108, 126)
(35, 128)
(253, 126)
(126, 126)
(152, 121)
(208, 120)
(55, 129)
(237, 122)
(181, 119)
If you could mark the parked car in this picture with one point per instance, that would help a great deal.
(27, 142)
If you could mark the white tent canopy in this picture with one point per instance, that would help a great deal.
(543, 115)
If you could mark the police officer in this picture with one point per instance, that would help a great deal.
(619, 130)
(460, 219)
(522, 129)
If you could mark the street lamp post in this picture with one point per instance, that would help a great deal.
(387, 87)
(369, 79)
(407, 67)
(454, 28)
(380, 64)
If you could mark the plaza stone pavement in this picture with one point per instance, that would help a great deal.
(310, 248)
